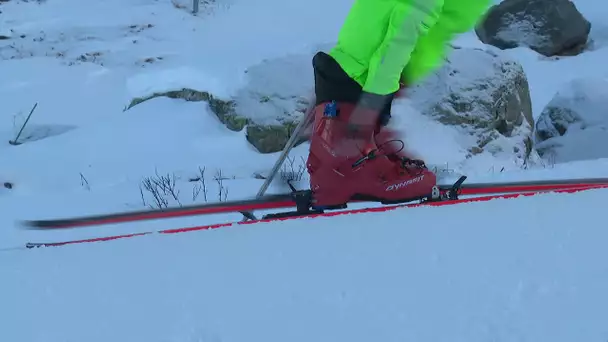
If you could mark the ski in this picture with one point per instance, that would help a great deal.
(265, 202)
(386, 208)
(301, 201)
(533, 185)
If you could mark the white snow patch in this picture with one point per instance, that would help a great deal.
(146, 84)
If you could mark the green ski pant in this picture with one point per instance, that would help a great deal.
(384, 42)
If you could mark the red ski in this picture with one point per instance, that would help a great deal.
(301, 201)
(508, 191)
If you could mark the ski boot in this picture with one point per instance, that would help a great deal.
(343, 169)
(394, 148)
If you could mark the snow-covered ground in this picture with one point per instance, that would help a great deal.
(527, 270)
(515, 270)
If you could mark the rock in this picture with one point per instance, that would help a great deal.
(225, 110)
(549, 27)
(275, 98)
(554, 121)
(574, 124)
(5, 34)
(486, 95)
(270, 138)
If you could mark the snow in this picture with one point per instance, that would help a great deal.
(145, 84)
(526, 269)
(533, 275)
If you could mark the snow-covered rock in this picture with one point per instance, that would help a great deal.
(268, 106)
(549, 27)
(486, 95)
(481, 92)
(574, 125)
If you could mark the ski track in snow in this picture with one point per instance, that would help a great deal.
(529, 269)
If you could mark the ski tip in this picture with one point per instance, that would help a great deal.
(42, 224)
(29, 225)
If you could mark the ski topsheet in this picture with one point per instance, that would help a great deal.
(283, 201)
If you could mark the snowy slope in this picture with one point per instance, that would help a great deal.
(514, 270)
(507, 270)
(82, 153)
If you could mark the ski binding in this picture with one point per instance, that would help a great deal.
(304, 200)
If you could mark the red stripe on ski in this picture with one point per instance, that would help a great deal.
(570, 189)
(525, 188)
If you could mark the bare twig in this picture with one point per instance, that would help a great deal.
(291, 172)
(84, 182)
(196, 190)
(16, 140)
(222, 191)
(152, 186)
(170, 183)
(200, 186)
(161, 187)
(143, 199)
(201, 171)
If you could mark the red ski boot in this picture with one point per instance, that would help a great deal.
(342, 169)
(394, 147)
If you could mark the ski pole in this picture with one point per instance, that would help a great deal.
(301, 127)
